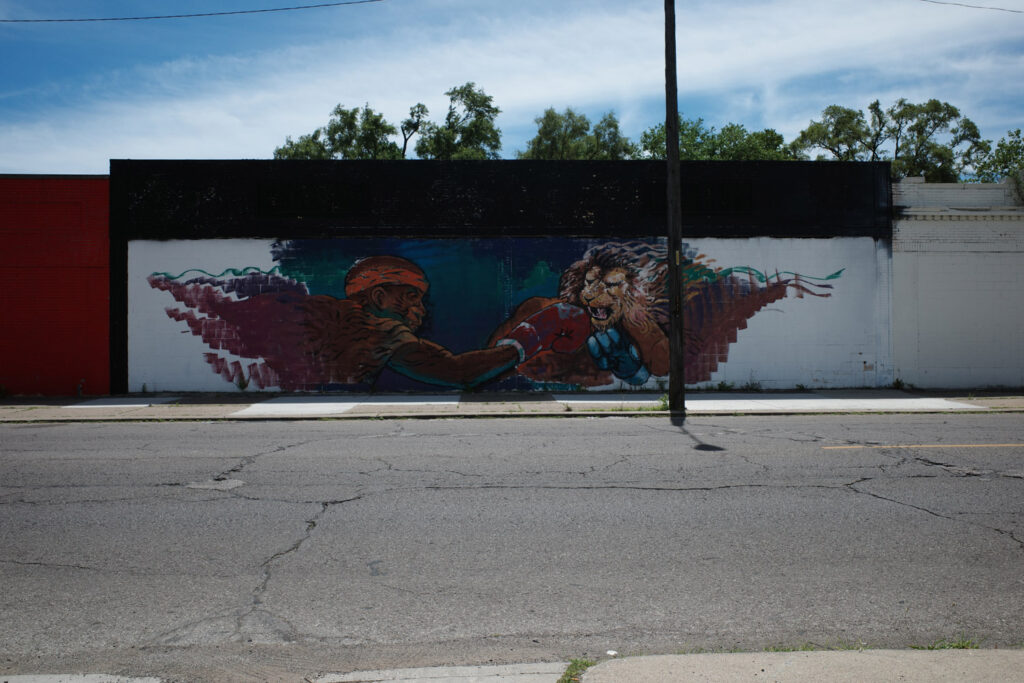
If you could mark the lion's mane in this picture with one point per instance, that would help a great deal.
(646, 267)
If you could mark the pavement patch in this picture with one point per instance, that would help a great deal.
(817, 404)
(317, 406)
(125, 402)
(542, 672)
(610, 401)
(73, 678)
(214, 485)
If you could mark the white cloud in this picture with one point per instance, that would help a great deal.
(771, 64)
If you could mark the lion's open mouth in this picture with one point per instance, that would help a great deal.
(599, 313)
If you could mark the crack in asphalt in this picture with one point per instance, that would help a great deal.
(120, 571)
(629, 487)
(1002, 532)
(286, 634)
(253, 622)
(389, 467)
(902, 457)
(247, 460)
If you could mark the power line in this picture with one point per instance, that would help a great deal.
(960, 4)
(189, 16)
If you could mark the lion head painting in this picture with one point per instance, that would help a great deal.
(623, 287)
(619, 282)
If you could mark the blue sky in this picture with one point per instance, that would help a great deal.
(74, 95)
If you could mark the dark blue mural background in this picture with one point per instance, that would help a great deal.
(474, 284)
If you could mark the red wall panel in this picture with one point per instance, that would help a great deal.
(54, 285)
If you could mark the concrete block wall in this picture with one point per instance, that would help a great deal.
(221, 315)
(958, 276)
(917, 195)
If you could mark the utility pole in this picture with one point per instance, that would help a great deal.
(677, 344)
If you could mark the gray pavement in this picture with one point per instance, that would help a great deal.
(843, 666)
(853, 666)
(847, 665)
(241, 406)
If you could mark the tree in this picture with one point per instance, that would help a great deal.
(1005, 162)
(411, 126)
(698, 142)
(349, 134)
(309, 146)
(608, 142)
(931, 139)
(354, 134)
(568, 136)
(923, 154)
(468, 131)
(841, 131)
(559, 136)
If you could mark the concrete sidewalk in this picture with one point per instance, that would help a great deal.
(242, 406)
(852, 666)
(844, 666)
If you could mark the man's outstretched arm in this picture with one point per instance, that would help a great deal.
(561, 328)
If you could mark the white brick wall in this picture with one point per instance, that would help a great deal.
(915, 193)
(958, 279)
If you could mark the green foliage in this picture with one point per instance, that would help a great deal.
(841, 132)
(931, 139)
(568, 136)
(360, 134)
(803, 647)
(468, 131)
(1005, 162)
(733, 142)
(310, 146)
(349, 134)
(575, 671)
(410, 126)
(961, 643)
(559, 136)
(609, 144)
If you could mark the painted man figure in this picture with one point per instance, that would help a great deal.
(303, 342)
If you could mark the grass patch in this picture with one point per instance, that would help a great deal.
(575, 670)
(959, 644)
(806, 647)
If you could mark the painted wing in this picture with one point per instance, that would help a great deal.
(716, 309)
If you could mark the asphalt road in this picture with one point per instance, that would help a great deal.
(276, 550)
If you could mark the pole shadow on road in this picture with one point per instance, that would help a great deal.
(678, 421)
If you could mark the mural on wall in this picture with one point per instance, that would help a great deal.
(308, 341)
(623, 287)
(510, 313)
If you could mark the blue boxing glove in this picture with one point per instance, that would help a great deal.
(611, 350)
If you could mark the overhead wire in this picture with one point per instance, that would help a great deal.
(961, 4)
(189, 16)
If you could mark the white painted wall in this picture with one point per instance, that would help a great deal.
(839, 341)
(958, 280)
(162, 354)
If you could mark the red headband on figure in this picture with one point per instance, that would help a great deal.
(384, 270)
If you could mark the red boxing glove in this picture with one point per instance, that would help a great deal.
(562, 328)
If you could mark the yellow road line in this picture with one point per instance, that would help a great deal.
(929, 445)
